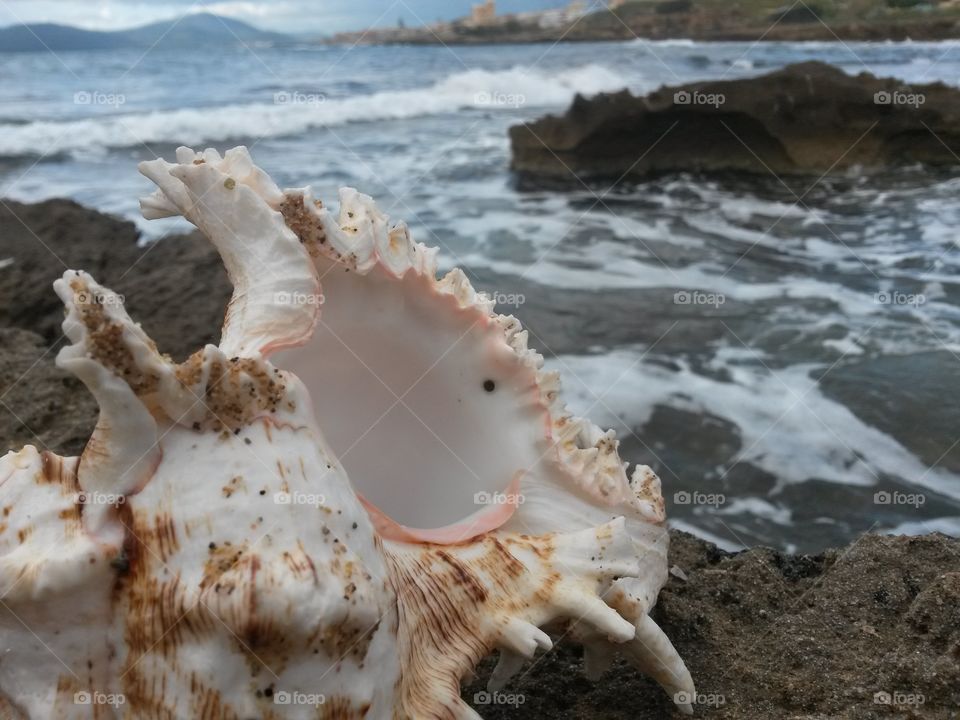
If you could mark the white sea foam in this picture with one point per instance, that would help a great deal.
(945, 525)
(845, 346)
(479, 90)
(787, 426)
(757, 507)
(720, 542)
(613, 269)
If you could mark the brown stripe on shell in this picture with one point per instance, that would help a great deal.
(58, 470)
(9, 710)
(342, 708)
(445, 607)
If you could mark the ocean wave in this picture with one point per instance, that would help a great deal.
(294, 112)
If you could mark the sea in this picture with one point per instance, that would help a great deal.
(785, 353)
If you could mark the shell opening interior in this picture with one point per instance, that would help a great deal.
(429, 410)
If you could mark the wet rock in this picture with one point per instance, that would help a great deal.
(699, 442)
(40, 404)
(177, 287)
(903, 395)
(43, 241)
(806, 119)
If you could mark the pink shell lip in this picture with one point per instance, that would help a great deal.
(584, 456)
(300, 230)
(480, 523)
(360, 239)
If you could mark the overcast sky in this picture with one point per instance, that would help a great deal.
(298, 16)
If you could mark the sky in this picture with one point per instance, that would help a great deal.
(294, 16)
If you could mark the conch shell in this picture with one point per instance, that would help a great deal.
(214, 554)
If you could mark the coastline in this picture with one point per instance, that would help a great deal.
(919, 33)
(699, 27)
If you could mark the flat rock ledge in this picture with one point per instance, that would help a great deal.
(806, 119)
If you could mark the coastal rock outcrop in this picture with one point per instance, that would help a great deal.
(806, 119)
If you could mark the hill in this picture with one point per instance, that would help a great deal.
(189, 30)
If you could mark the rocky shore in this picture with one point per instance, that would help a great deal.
(871, 630)
(709, 20)
(806, 119)
(868, 631)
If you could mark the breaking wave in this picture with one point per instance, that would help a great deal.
(293, 112)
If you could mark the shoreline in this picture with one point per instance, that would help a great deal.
(710, 39)
(693, 27)
(678, 40)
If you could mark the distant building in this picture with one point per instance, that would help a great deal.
(483, 13)
(562, 16)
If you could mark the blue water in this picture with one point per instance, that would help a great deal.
(726, 402)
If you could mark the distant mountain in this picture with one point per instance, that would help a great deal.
(199, 28)
(187, 31)
(43, 36)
